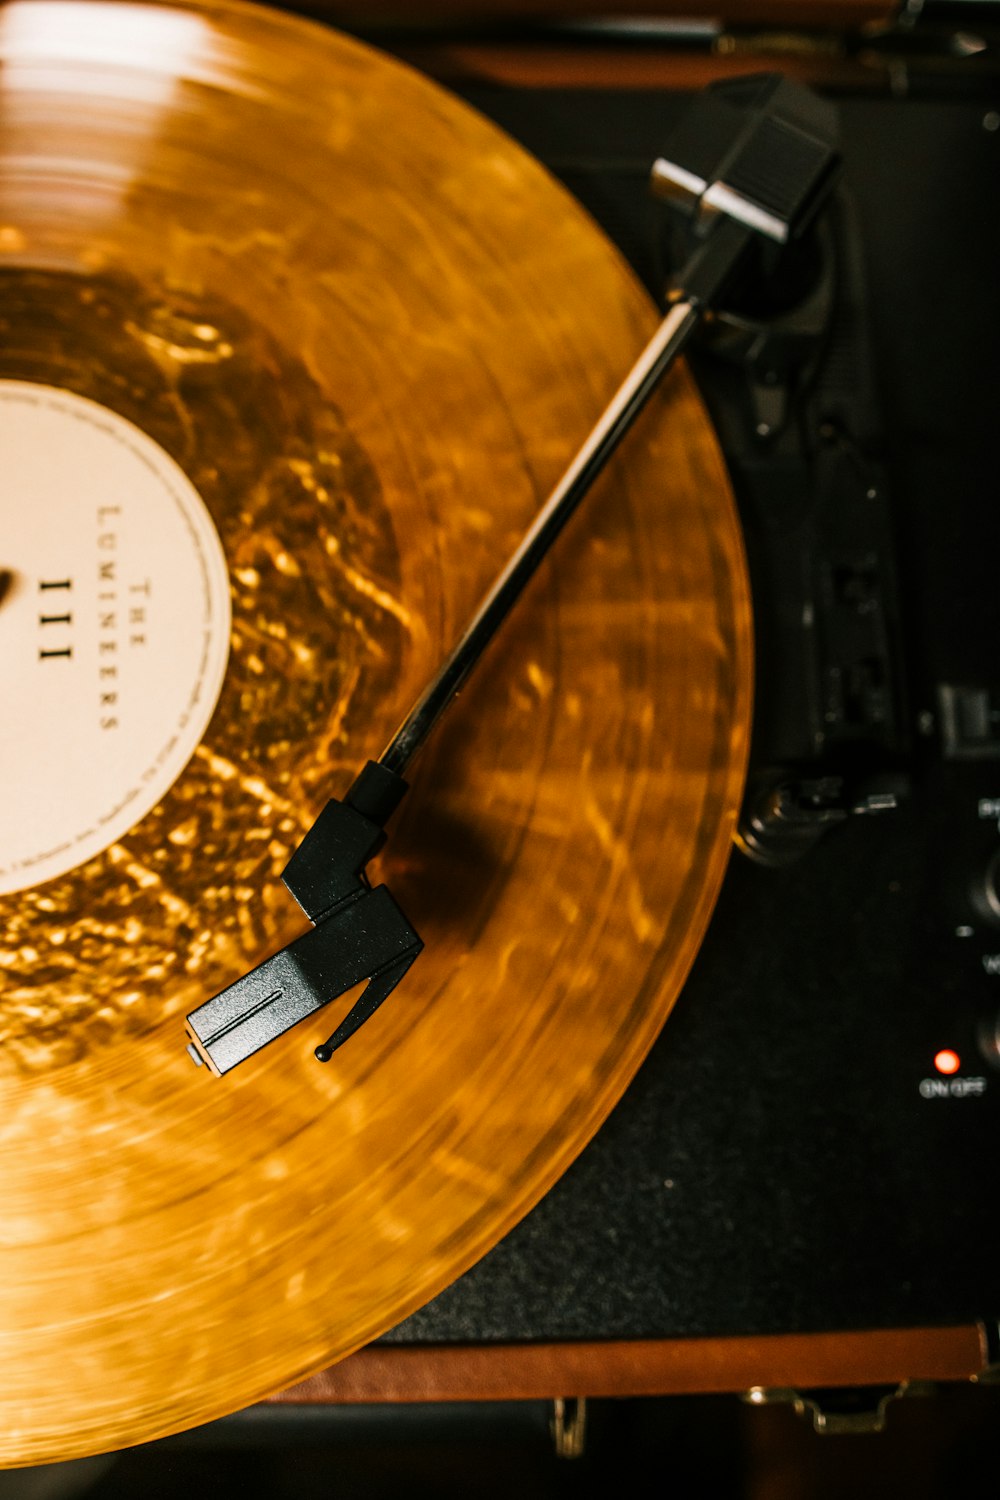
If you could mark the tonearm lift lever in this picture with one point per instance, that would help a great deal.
(748, 166)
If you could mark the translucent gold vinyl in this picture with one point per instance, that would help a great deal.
(371, 330)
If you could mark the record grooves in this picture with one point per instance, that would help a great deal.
(371, 331)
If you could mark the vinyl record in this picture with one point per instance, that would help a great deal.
(292, 346)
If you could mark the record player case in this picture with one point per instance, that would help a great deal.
(789, 1194)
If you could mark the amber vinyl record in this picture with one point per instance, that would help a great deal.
(292, 346)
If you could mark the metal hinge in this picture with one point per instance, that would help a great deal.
(855, 1409)
(568, 1426)
(989, 1334)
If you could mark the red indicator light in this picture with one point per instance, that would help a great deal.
(947, 1061)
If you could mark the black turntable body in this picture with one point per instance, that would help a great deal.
(810, 1145)
(796, 1189)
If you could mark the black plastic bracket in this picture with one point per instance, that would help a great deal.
(359, 933)
(760, 151)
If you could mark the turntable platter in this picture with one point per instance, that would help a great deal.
(357, 333)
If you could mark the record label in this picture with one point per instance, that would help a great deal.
(114, 615)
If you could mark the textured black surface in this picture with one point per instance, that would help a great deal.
(774, 1166)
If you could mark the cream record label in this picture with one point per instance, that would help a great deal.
(114, 622)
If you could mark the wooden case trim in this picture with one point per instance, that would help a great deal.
(650, 1367)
